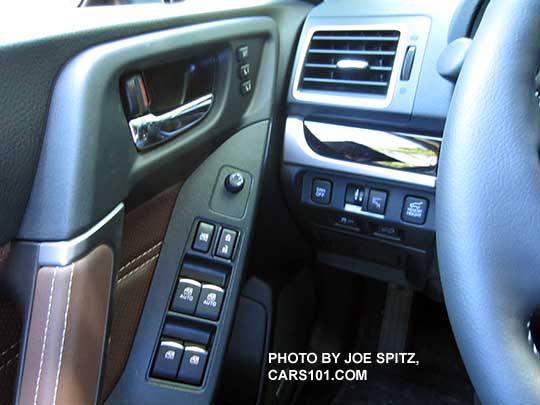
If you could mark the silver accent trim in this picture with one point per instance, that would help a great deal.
(195, 349)
(65, 252)
(213, 287)
(297, 151)
(170, 343)
(189, 281)
(352, 99)
(355, 209)
(148, 131)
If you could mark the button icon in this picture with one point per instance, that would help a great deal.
(194, 360)
(210, 300)
(187, 294)
(170, 354)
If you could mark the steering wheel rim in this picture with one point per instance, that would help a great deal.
(488, 204)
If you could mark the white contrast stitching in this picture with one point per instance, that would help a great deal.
(8, 362)
(68, 299)
(136, 269)
(9, 348)
(45, 336)
(140, 256)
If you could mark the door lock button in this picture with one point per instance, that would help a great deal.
(226, 243)
(186, 296)
(210, 301)
(203, 237)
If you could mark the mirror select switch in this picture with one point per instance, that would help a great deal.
(193, 364)
(168, 360)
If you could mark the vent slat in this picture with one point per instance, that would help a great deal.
(334, 66)
(366, 59)
(351, 52)
(354, 38)
(341, 81)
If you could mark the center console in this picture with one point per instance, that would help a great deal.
(366, 113)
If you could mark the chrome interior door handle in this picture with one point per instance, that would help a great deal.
(150, 130)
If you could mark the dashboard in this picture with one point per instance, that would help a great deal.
(367, 102)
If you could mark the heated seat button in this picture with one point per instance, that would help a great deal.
(168, 360)
(415, 210)
(186, 296)
(226, 243)
(203, 237)
(354, 195)
(210, 302)
(321, 191)
(193, 364)
(377, 201)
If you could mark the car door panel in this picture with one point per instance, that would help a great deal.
(82, 174)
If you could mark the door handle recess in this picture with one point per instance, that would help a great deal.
(150, 130)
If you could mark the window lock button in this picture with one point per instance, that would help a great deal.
(203, 237)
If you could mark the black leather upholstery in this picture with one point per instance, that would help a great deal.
(488, 204)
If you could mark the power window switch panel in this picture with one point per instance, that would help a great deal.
(203, 237)
(226, 243)
(186, 296)
(210, 301)
(193, 365)
(168, 360)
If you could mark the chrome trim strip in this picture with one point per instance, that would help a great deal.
(353, 99)
(171, 343)
(189, 281)
(297, 151)
(65, 252)
(355, 209)
(213, 287)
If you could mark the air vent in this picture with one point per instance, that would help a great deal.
(358, 62)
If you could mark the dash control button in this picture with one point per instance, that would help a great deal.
(377, 201)
(186, 296)
(245, 87)
(226, 243)
(168, 360)
(203, 237)
(193, 364)
(210, 302)
(415, 210)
